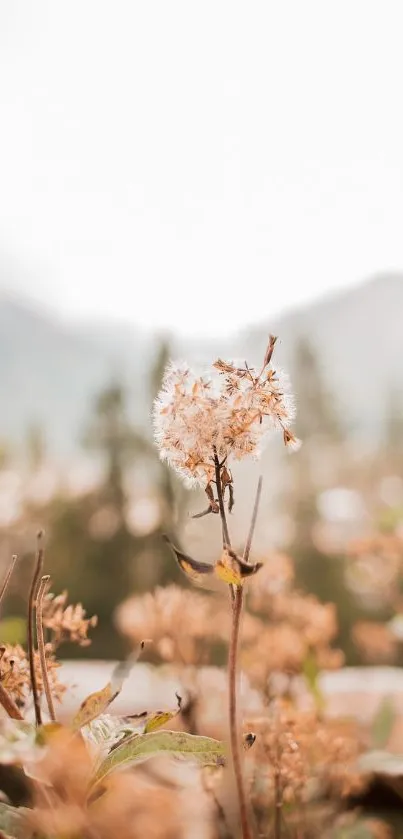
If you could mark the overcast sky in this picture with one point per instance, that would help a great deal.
(198, 165)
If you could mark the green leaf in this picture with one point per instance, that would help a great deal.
(383, 723)
(13, 823)
(202, 750)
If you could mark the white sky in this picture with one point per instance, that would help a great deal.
(198, 165)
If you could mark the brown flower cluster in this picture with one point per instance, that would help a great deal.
(299, 757)
(66, 622)
(15, 675)
(375, 572)
(181, 624)
(289, 627)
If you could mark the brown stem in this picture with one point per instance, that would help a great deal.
(9, 705)
(225, 532)
(6, 580)
(277, 791)
(31, 606)
(233, 716)
(232, 673)
(41, 645)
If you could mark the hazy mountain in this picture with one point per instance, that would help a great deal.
(49, 371)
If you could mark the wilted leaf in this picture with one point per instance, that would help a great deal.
(249, 740)
(94, 705)
(194, 570)
(383, 723)
(153, 720)
(97, 703)
(13, 823)
(233, 570)
(202, 750)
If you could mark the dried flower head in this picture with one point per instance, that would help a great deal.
(230, 409)
(67, 622)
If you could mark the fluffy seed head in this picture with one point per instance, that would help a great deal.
(230, 409)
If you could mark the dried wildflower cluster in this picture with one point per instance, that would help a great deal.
(289, 629)
(229, 410)
(374, 573)
(15, 674)
(182, 624)
(299, 759)
(66, 622)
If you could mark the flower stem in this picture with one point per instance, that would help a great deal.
(41, 645)
(233, 716)
(237, 606)
(31, 606)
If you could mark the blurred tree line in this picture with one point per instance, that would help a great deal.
(100, 557)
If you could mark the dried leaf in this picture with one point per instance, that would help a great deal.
(203, 513)
(233, 570)
(270, 350)
(249, 740)
(97, 703)
(202, 750)
(156, 719)
(94, 705)
(193, 569)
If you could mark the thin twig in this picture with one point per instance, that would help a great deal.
(278, 802)
(31, 606)
(9, 705)
(6, 580)
(232, 673)
(248, 545)
(41, 645)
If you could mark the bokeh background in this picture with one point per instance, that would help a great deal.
(179, 180)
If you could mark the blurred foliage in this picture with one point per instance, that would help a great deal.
(13, 630)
